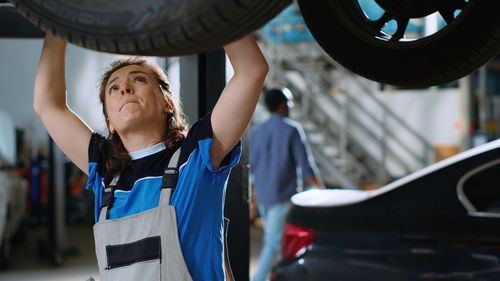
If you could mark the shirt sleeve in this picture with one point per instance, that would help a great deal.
(302, 153)
(200, 136)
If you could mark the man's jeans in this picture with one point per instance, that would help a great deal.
(274, 221)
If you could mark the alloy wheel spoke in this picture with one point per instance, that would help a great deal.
(376, 26)
(448, 13)
(385, 18)
(400, 32)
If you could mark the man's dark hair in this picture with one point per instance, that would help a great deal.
(273, 99)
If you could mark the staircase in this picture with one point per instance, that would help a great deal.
(345, 121)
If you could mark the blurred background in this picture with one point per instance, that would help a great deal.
(363, 135)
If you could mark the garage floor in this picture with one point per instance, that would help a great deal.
(79, 263)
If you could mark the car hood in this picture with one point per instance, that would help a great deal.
(330, 197)
(342, 197)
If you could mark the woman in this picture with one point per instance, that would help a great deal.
(144, 231)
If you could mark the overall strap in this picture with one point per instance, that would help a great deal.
(107, 199)
(169, 180)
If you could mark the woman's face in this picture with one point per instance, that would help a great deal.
(133, 100)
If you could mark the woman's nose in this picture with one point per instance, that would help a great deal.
(127, 90)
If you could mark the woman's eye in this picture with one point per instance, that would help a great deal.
(113, 89)
(140, 79)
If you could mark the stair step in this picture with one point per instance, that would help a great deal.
(316, 138)
(330, 151)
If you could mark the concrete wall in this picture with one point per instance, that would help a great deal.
(436, 114)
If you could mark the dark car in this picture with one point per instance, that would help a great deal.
(439, 223)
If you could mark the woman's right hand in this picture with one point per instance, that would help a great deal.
(50, 86)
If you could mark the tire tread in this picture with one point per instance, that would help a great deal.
(225, 21)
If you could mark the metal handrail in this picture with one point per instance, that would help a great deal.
(328, 164)
(337, 105)
(372, 135)
(425, 143)
(368, 92)
(389, 133)
(308, 78)
(299, 66)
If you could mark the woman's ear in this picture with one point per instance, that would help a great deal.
(168, 107)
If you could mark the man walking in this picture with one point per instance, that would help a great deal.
(280, 159)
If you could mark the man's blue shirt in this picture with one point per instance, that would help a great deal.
(279, 158)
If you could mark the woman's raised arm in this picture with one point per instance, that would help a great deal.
(235, 106)
(67, 130)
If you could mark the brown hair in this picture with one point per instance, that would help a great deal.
(115, 154)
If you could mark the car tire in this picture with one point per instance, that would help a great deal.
(150, 27)
(466, 43)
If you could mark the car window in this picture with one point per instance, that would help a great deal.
(481, 188)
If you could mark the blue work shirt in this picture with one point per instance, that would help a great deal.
(198, 198)
(280, 159)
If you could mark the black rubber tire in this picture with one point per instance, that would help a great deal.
(150, 27)
(453, 52)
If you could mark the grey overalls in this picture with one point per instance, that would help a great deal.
(142, 246)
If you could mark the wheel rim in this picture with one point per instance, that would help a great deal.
(399, 23)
